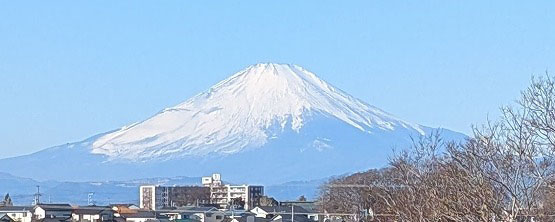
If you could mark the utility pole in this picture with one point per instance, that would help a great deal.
(292, 212)
(36, 201)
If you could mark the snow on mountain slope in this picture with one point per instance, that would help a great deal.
(243, 112)
(268, 124)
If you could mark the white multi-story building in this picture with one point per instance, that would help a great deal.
(212, 191)
(211, 181)
(225, 195)
(147, 197)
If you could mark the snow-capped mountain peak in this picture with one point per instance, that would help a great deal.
(243, 112)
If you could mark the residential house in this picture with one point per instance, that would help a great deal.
(5, 218)
(118, 207)
(58, 211)
(285, 212)
(18, 213)
(186, 220)
(287, 218)
(138, 216)
(271, 211)
(313, 212)
(92, 214)
(247, 218)
(307, 205)
(53, 220)
(123, 209)
(203, 214)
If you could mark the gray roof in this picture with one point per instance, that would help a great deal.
(6, 218)
(54, 219)
(91, 210)
(297, 218)
(256, 219)
(310, 206)
(196, 209)
(238, 213)
(139, 214)
(188, 220)
(284, 209)
(55, 207)
(15, 208)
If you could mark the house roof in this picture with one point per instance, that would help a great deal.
(284, 209)
(15, 208)
(91, 210)
(55, 207)
(125, 210)
(5, 218)
(118, 219)
(54, 219)
(196, 209)
(287, 218)
(187, 220)
(256, 219)
(310, 206)
(167, 212)
(123, 205)
(139, 214)
(238, 213)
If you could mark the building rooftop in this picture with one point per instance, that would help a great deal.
(54, 220)
(256, 219)
(284, 209)
(139, 214)
(55, 207)
(196, 209)
(310, 206)
(122, 205)
(287, 218)
(187, 220)
(91, 210)
(5, 218)
(15, 208)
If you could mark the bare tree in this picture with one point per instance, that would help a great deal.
(266, 201)
(504, 172)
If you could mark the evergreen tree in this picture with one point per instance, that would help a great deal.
(8, 200)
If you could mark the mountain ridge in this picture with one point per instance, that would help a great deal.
(237, 112)
(268, 123)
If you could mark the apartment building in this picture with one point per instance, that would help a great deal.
(236, 196)
(158, 197)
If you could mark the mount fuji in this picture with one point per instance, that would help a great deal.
(269, 123)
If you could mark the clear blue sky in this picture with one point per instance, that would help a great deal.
(71, 69)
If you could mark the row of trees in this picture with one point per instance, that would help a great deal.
(503, 172)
